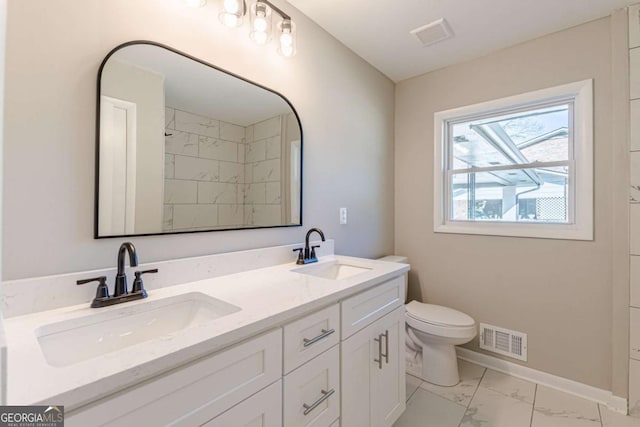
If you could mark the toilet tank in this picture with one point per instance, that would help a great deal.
(401, 260)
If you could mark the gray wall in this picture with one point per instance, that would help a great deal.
(557, 291)
(53, 53)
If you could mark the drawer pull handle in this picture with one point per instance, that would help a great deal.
(325, 333)
(380, 355)
(314, 405)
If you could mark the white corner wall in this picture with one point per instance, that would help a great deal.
(53, 53)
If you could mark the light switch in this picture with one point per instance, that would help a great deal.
(343, 215)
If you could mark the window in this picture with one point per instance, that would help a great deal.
(517, 166)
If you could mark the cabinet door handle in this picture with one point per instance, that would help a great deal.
(379, 359)
(386, 346)
(325, 333)
(314, 405)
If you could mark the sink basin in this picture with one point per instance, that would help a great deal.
(71, 341)
(333, 270)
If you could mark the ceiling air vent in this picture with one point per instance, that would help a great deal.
(503, 341)
(432, 33)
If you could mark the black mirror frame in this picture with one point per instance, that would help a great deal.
(97, 152)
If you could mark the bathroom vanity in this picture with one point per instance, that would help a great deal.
(279, 345)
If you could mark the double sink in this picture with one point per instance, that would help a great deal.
(72, 341)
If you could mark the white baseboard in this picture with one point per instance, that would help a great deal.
(605, 397)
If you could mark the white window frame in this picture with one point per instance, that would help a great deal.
(580, 224)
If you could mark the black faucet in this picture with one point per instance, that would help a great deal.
(309, 254)
(121, 277)
(120, 292)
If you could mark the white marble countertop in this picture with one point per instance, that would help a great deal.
(268, 297)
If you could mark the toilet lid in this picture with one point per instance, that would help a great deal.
(438, 315)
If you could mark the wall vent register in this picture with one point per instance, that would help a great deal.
(503, 341)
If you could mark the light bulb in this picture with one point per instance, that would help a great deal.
(232, 12)
(229, 19)
(286, 50)
(231, 6)
(259, 37)
(260, 24)
(286, 39)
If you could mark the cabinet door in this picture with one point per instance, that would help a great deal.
(388, 382)
(373, 385)
(357, 365)
(263, 409)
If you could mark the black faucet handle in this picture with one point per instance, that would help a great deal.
(313, 251)
(138, 286)
(101, 279)
(103, 289)
(140, 273)
(300, 259)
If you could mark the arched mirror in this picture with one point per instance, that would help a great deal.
(183, 146)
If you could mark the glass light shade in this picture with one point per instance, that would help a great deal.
(287, 38)
(194, 3)
(260, 16)
(260, 37)
(232, 13)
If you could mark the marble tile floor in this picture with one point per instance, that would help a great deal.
(486, 398)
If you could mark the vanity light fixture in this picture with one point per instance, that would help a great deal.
(260, 16)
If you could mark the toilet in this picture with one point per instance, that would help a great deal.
(433, 331)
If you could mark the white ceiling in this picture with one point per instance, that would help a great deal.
(196, 88)
(378, 30)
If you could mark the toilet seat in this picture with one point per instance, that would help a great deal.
(438, 315)
(439, 321)
(441, 331)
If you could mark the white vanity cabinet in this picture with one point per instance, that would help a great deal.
(372, 359)
(341, 365)
(194, 394)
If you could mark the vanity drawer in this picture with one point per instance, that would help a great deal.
(368, 306)
(263, 409)
(306, 338)
(194, 394)
(313, 388)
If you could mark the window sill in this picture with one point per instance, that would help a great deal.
(511, 229)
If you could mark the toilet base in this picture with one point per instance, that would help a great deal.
(440, 364)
